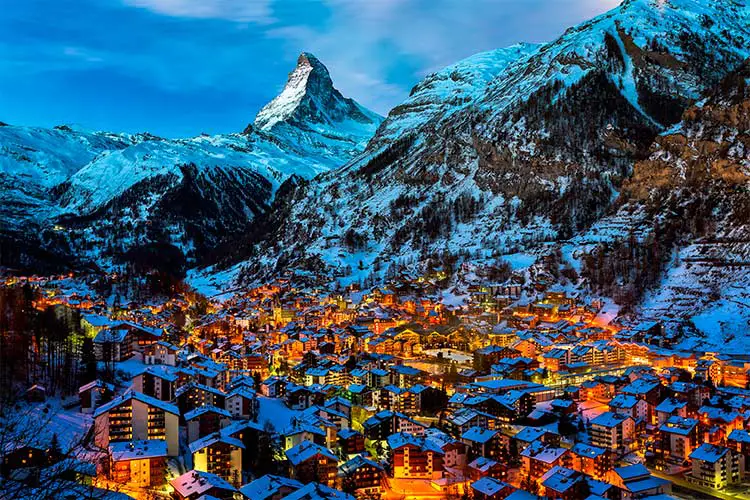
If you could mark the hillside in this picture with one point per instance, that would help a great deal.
(534, 153)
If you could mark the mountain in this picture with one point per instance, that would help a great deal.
(534, 153)
(102, 197)
(687, 206)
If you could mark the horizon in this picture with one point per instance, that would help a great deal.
(179, 68)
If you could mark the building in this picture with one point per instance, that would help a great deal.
(197, 484)
(679, 437)
(715, 467)
(135, 416)
(613, 431)
(270, 487)
(488, 488)
(139, 464)
(415, 457)
(312, 462)
(93, 394)
(219, 454)
(363, 476)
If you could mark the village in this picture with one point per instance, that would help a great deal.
(389, 392)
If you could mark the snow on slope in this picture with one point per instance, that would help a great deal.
(535, 155)
(117, 191)
(449, 90)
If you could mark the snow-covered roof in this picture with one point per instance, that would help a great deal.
(268, 486)
(138, 450)
(196, 482)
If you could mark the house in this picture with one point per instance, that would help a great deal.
(193, 395)
(205, 420)
(197, 484)
(670, 407)
(563, 484)
(415, 457)
(483, 443)
(160, 353)
(488, 488)
(679, 437)
(362, 476)
(138, 464)
(627, 404)
(270, 487)
(485, 467)
(635, 481)
(135, 416)
(351, 442)
(219, 454)
(317, 491)
(612, 431)
(312, 462)
(538, 458)
(93, 394)
(591, 460)
(242, 402)
(739, 441)
(157, 382)
(715, 467)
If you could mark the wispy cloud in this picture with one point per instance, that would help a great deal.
(254, 11)
(223, 59)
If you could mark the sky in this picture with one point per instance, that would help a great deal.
(179, 68)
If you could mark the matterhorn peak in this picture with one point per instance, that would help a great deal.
(309, 99)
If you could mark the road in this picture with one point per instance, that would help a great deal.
(684, 484)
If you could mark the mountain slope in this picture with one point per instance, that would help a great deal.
(104, 195)
(537, 155)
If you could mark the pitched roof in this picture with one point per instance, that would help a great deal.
(306, 450)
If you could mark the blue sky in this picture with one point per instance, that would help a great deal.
(182, 67)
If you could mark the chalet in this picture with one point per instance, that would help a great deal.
(415, 457)
(351, 442)
(362, 475)
(135, 416)
(563, 483)
(138, 464)
(160, 353)
(219, 454)
(312, 462)
(635, 481)
(484, 443)
(486, 467)
(198, 484)
(205, 420)
(488, 488)
(715, 467)
(242, 402)
(591, 460)
(670, 407)
(93, 394)
(613, 431)
(270, 487)
(157, 382)
(679, 437)
(194, 395)
(538, 458)
(629, 405)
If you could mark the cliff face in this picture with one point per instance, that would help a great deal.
(98, 198)
(708, 150)
(537, 151)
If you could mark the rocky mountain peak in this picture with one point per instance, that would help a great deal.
(310, 100)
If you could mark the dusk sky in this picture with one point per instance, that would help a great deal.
(182, 67)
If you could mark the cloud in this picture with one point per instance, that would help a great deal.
(237, 53)
(253, 11)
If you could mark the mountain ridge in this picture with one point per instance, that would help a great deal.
(96, 195)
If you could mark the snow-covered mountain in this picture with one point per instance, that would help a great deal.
(512, 148)
(99, 196)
